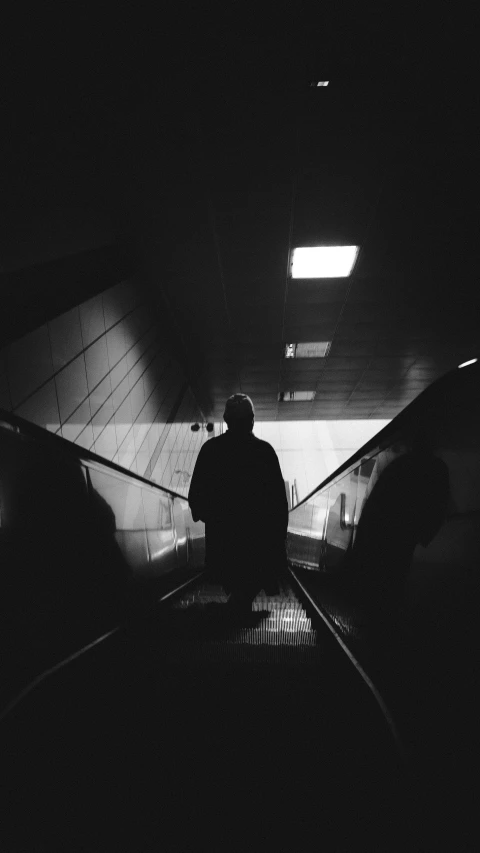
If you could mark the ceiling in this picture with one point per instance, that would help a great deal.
(206, 148)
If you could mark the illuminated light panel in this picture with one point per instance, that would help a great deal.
(313, 349)
(295, 396)
(323, 261)
(466, 363)
(322, 83)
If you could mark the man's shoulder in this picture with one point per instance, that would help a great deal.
(225, 443)
(264, 446)
(216, 445)
(211, 445)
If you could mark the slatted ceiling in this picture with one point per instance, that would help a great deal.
(261, 351)
(375, 377)
(376, 393)
(396, 363)
(313, 377)
(258, 296)
(362, 398)
(332, 399)
(300, 385)
(388, 347)
(384, 161)
(333, 385)
(347, 363)
(246, 337)
(267, 368)
(220, 388)
(292, 366)
(370, 286)
(381, 388)
(294, 411)
(411, 389)
(417, 378)
(335, 389)
(259, 391)
(352, 411)
(303, 292)
(266, 403)
(307, 331)
(258, 323)
(258, 371)
(321, 317)
(378, 378)
(421, 371)
(259, 384)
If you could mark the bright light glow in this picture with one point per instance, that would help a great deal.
(313, 349)
(291, 396)
(156, 555)
(466, 363)
(323, 261)
(323, 83)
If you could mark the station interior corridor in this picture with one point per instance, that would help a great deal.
(198, 205)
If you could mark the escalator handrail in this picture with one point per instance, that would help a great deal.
(79, 453)
(385, 437)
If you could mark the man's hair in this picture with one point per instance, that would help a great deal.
(421, 441)
(239, 412)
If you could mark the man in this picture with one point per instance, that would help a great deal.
(237, 489)
(406, 508)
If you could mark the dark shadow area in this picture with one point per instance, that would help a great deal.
(405, 508)
(151, 743)
(436, 721)
(64, 579)
(200, 621)
(422, 661)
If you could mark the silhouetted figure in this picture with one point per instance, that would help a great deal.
(63, 577)
(405, 508)
(237, 489)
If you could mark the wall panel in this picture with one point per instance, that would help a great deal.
(101, 376)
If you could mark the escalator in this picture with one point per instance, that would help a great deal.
(196, 728)
(183, 725)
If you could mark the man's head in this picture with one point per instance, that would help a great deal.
(239, 413)
(421, 441)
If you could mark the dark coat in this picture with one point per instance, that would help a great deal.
(238, 490)
(406, 508)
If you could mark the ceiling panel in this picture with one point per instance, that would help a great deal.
(216, 160)
(345, 362)
(303, 366)
(317, 292)
(329, 378)
(352, 347)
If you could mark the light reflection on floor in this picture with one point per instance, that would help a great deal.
(273, 621)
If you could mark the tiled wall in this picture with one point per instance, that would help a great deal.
(101, 376)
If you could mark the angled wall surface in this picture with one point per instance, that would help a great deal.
(102, 376)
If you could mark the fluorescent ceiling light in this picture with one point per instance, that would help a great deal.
(295, 396)
(323, 83)
(466, 363)
(314, 349)
(323, 261)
